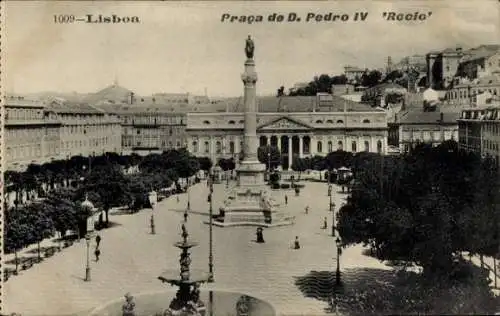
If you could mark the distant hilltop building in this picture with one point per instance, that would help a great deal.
(444, 67)
(353, 73)
(470, 93)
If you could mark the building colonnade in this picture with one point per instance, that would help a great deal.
(290, 145)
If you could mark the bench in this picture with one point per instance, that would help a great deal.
(49, 252)
(28, 263)
(8, 272)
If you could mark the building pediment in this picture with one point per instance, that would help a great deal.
(284, 123)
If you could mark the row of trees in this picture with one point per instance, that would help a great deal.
(425, 208)
(31, 223)
(370, 78)
(107, 181)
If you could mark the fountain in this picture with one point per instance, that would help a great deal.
(187, 300)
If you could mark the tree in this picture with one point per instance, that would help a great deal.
(205, 163)
(270, 156)
(424, 208)
(61, 210)
(41, 224)
(338, 158)
(301, 165)
(110, 185)
(371, 79)
(280, 92)
(17, 231)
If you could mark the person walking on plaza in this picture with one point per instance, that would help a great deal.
(178, 198)
(97, 253)
(296, 243)
(97, 240)
(325, 224)
(307, 209)
(286, 199)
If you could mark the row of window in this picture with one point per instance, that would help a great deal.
(218, 147)
(319, 147)
(153, 119)
(96, 142)
(24, 114)
(24, 152)
(150, 131)
(164, 144)
(231, 122)
(463, 93)
(84, 129)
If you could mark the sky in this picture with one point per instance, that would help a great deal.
(183, 47)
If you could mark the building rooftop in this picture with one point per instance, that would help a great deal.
(60, 105)
(414, 116)
(273, 104)
(21, 101)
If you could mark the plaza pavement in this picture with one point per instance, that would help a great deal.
(132, 258)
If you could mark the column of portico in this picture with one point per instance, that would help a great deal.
(290, 154)
(278, 143)
(301, 144)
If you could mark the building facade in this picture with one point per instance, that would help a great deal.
(479, 131)
(149, 123)
(416, 127)
(479, 64)
(38, 132)
(297, 126)
(442, 67)
(466, 92)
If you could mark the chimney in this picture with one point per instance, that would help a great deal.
(131, 98)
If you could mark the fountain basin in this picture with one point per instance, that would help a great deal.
(152, 304)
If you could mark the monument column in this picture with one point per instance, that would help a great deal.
(250, 140)
(250, 202)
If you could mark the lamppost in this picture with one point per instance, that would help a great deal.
(332, 209)
(152, 200)
(210, 237)
(339, 252)
(188, 208)
(87, 267)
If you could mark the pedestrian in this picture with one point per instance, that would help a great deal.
(178, 198)
(325, 224)
(286, 199)
(307, 209)
(97, 253)
(98, 240)
(296, 244)
(260, 235)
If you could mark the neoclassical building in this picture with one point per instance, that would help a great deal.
(299, 126)
(40, 131)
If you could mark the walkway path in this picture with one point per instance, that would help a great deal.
(132, 258)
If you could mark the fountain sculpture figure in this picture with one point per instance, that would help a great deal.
(187, 299)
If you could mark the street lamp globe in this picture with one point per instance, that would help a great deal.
(153, 198)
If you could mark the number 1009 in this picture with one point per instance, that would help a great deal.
(64, 18)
